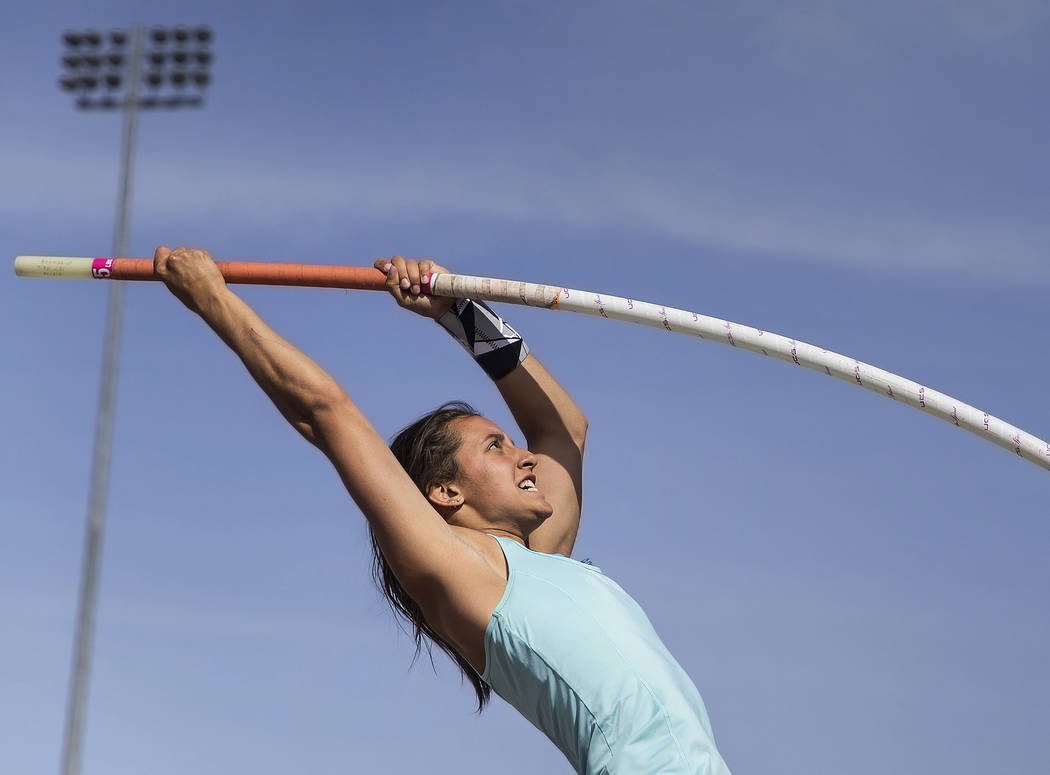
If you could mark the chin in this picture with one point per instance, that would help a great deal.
(536, 518)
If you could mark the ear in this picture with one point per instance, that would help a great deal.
(445, 496)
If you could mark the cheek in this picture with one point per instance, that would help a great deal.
(485, 478)
(474, 476)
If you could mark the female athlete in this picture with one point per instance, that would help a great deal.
(472, 534)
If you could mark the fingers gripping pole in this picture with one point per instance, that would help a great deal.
(767, 343)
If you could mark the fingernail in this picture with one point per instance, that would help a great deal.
(415, 289)
(405, 283)
(387, 266)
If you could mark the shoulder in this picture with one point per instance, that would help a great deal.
(460, 605)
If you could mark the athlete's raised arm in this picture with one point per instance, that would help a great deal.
(424, 552)
(555, 430)
(553, 425)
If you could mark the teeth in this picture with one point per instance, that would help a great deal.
(527, 485)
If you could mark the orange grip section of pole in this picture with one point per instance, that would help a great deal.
(259, 273)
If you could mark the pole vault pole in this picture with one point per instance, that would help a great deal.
(797, 353)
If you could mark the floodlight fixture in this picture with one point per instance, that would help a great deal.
(175, 58)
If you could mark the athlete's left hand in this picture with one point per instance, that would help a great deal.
(404, 277)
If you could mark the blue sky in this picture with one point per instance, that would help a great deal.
(854, 586)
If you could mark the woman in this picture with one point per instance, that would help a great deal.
(472, 534)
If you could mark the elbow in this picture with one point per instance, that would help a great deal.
(571, 429)
(578, 431)
(561, 428)
(327, 395)
(327, 407)
(327, 403)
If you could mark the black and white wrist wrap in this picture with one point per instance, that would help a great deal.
(491, 340)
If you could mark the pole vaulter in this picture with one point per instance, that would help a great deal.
(472, 535)
(893, 386)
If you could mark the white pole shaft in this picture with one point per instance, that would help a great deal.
(767, 343)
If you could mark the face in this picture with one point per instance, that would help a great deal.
(496, 478)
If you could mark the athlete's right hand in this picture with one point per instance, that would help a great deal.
(404, 278)
(190, 274)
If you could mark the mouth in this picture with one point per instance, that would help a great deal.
(528, 484)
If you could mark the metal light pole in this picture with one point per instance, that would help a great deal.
(175, 58)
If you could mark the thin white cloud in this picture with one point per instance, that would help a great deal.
(711, 211)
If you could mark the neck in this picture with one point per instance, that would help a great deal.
(472, 520)
(495, 531)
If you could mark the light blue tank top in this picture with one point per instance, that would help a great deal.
(578, 658)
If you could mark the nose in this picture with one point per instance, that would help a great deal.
(527, 459)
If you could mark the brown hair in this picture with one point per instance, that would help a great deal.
(427, 450)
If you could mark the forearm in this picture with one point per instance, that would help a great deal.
(298, 387)
(555, 430)
(541, 406)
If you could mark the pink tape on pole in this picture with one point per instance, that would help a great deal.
(102, 268)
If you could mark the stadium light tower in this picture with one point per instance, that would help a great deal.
(105, 72)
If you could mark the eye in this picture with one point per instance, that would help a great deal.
(495, 443)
